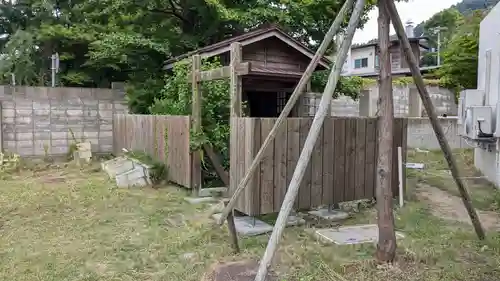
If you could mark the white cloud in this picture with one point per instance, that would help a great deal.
(414, 10)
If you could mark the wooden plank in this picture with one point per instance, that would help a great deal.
(216, 163)
(196, 173)
(371, 157)
(233, 161)
(241, 154)
(223, 72)
(305, 185)
(350, 154)
(404, 151)
(235, 83)
(255, 188)
(317, 171)
(252, 187)
(266, 171)
(394, 158)
(397, 141)
(360, 150)
(148, 132)
(293, 152)
(328, 161)
(280, 169)
(339, 173)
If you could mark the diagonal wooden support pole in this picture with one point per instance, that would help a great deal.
(429, 107)
(305, 155)
(288, 107)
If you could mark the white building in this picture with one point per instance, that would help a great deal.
(487, 159)
(362, 59)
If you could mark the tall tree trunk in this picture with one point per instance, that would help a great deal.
(386, 247)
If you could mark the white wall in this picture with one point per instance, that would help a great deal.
(488, 161)
(366, 52)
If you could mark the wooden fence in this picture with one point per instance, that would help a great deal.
(342, 166)
(163, 137)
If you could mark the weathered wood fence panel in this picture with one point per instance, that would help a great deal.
(342, 166)
(163, 137)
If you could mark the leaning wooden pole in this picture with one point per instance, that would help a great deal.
(386, 246)
(305, 155)
(429, 107)
(288, 107)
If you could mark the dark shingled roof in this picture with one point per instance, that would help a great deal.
(246, 36)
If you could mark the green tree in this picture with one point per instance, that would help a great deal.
(459, 69)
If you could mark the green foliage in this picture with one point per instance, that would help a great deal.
(459, 69)
(347, 86)
(175, 99)
(115, 40)
(19, 58)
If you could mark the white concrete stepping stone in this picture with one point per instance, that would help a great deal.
(348, 235)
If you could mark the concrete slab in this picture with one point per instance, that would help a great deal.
(208, 192)
(331, 215)
(132, 178)
(295, 221)
(348, 235)
(200, 200)
(121, 165)
(248, 226)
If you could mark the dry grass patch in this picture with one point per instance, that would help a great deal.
(436, 173)
(84, 228)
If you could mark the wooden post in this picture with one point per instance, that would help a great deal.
(305, 155)
(232, 230)
(288, 107)
(235, 89)
(429, 107)
(214, 159)
(196, 175)
(386, 247)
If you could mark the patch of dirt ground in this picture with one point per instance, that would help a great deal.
(451, 207)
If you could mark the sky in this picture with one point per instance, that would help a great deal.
(414, 10)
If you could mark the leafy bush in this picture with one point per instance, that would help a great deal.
(175, 99)
(347, 86)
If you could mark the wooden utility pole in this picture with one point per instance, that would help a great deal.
(386, 247)
(299, 89)
(196, 174)
(429, 107)
(305, 155)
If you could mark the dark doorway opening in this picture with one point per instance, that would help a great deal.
(267, 104)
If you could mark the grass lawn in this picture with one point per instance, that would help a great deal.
(73, 224)
(436, 173)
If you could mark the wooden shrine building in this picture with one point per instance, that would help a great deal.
(272, 64)
(264, 66)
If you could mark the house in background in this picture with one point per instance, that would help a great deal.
(363, 59)
(487, 159)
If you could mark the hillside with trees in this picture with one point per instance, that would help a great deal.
(459, 36)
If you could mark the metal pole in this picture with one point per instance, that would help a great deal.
(53, 69)
(439, 48)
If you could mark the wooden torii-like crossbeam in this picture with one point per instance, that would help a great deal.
(234, 71)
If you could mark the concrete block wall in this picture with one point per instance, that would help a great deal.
(421, 134)
(39, 121)
(341, 106)
(443, 100)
